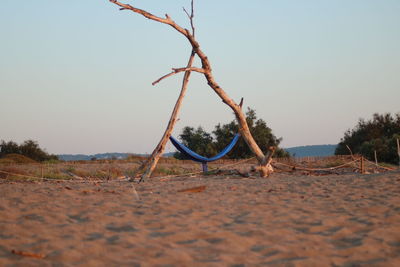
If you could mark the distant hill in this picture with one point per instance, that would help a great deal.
(77, 157)
(299, 151)
(312, 151)
(71, 157)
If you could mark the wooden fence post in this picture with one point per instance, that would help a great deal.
(376, 158)
(398, 149)
(362, 167)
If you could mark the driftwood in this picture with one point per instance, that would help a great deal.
(151, 163)
(197, 189)
(265, 167)
(398, 149)
(351, 152)
(28, 254)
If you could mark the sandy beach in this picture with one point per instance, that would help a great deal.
(285, 220)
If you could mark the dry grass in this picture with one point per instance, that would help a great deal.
(118, 169)
(15, 158)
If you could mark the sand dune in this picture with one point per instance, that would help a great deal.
(286, 220)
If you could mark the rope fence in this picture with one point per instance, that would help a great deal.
(104, 171)
(317, 169)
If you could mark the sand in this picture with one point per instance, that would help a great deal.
(285, 220)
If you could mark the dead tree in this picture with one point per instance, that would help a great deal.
(264, 168)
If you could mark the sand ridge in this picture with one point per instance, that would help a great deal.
(286, 220)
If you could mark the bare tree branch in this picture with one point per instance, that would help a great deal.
(150, 16)
(187, 13)
(176, 71)
(241, 102)
(191, 16)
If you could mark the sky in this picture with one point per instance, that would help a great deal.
(76, 75)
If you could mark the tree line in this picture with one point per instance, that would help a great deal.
(28, 148)
(210, 144)
(378, 135)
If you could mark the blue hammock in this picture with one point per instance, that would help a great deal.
(198, 158)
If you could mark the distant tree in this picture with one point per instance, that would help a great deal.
(258, 128)
(197, 140)
(32, 150)
(209, 145)
(9, 147)
(28, 148)
(378, 134)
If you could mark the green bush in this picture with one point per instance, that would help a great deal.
(378, 134)
(28, 148)
(208, 145)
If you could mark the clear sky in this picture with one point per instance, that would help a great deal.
(76, 75)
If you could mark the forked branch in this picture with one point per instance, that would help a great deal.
(176, 71)
(265, 166)
(167, 20)
(191, 17)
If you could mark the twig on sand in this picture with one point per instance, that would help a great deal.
(135, 193)
(28, 254)
(196, 189)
